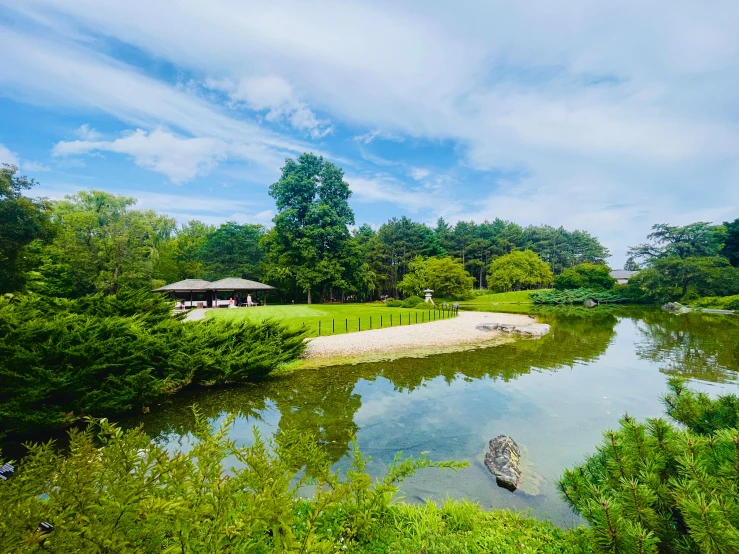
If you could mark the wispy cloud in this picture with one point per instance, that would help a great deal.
(180, 159)
(616, 116)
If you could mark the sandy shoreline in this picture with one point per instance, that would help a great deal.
(434, 336)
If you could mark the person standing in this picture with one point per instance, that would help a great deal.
(248, 300)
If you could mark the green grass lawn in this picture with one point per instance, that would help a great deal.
(333, 318)
(515, 297)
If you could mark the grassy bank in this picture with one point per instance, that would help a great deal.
(716, 302)
(334, 319)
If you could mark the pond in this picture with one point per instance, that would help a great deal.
(555, 396)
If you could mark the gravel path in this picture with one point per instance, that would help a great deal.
(437, 334)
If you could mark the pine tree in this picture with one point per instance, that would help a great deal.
(652, 487)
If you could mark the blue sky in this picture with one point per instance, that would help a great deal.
(606, 117)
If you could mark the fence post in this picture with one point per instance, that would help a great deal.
(416, 317)
(359, 323)
(391, 320)
(319, 327)
(409, 318)
(370, 323)
(346, 325)
(333, 326)
(380, 322)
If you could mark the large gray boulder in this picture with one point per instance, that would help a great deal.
(502, 461)
(486, 326)
(675, 308)
(590, 303)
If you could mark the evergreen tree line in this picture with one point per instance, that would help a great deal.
(94, 241)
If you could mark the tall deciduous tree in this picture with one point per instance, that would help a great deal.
(731, 244)
(310, 239)
(101, 245)
(232, 250)
(519, 270)
(22, 220)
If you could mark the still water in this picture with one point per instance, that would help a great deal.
(555, 396)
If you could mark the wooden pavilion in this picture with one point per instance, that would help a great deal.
(205, 293)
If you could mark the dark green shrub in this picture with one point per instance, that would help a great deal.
(394, 303)
(412, 301)
(88, 357)
(652, 487)
(577, 296)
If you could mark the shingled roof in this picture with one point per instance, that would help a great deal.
(235, 283)
(185, 286)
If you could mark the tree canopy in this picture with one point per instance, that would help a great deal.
(445, 276)
(22, 220)
(588, 276)
(519, 270)
(310, 239)
(96, 241)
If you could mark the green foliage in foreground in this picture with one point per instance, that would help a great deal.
(577, 296)
(117, 491)
(652, 487)
(61, 360)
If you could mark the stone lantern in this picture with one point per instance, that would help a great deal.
(428, 292)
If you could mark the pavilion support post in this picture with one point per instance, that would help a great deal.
(265, 297)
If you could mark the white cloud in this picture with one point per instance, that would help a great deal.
(618, 115)
(275, 96)
(85, 132)
(180, 159)
(34, 166)
(419, 173)
(8, 157)
(370, 136)
(385, 189)
(11, 158)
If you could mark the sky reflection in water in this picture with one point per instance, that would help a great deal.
(554, 396)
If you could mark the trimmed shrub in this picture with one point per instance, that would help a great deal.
(412, 301)
(394, 303)
(577, 296)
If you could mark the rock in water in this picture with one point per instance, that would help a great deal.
(675, 308)
(502, 461)
(590, 303)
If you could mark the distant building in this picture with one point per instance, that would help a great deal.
(622, 276)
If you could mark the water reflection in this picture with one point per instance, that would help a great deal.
(555, 396)
(693, 345)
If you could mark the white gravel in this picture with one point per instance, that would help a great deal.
(457, 331)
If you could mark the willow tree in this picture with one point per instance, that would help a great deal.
(520, 270)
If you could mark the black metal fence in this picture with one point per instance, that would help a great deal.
(367, 323)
